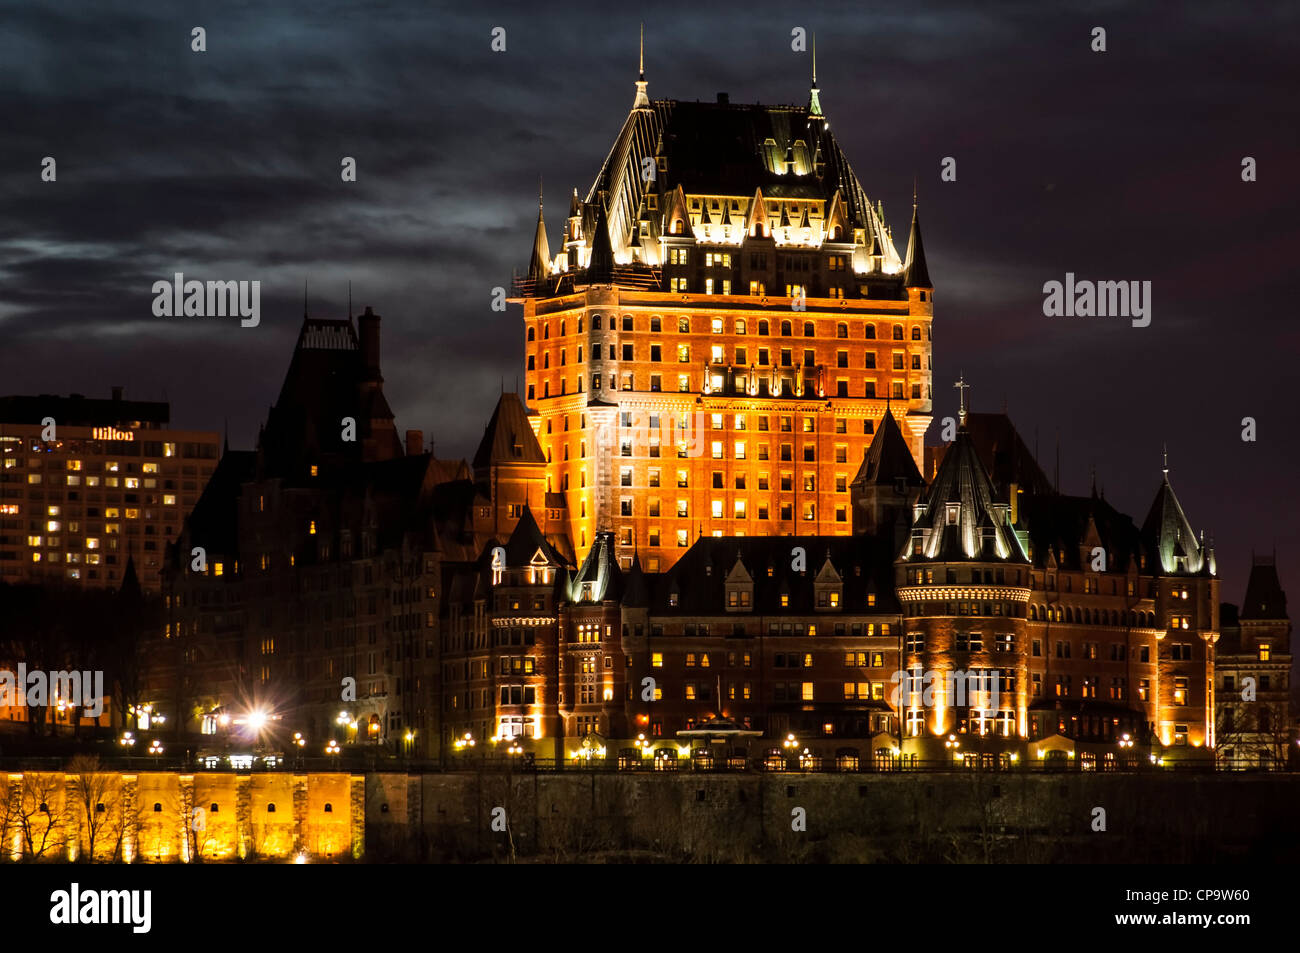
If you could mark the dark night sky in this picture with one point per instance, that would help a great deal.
(225, 165)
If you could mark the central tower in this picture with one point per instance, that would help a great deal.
(720, 333)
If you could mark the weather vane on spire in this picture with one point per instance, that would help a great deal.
(962, 387)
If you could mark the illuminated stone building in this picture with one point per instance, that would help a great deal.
(114, 484)
(1252, 675)
(712, 345)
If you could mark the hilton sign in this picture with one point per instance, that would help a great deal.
(111, 433)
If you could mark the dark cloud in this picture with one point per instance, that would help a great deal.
(226, 165)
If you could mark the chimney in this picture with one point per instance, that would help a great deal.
(414, 442)
(368, 328)
(117, 393)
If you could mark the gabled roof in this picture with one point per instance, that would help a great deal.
(509, 437)
(888, 459)
(526, 541)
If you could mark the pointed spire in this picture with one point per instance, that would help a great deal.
(600, 266)
(539, 264)
(814, 102)
(915, 273)
(962, 387)
(642, 100)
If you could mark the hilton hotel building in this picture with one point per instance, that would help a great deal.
(114, 484)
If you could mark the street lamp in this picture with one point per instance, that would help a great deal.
(332, 748)
(155, 747)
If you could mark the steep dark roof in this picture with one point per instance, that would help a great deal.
(726, 149)
(526, 540)
(599, 577)
(322, 386)
(1060, 525)
(1265, 598)
(539, 263)
(981, 530)
(509, 438)
(1004, 454)
(1167, 533)
(915, 274)
(698, 579)
(888, 459)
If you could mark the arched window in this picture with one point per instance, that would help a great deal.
(532, 363)
(329, 808)
(546, 361)
(214, 808)
(561, 329)
(157, 808)
(916, 333)
(627, 322)
(762, 327)
(898, 332)
(546, 331)
(871, 331)
(1033, 613)
(579, 324)
(532, 334)
(841, 330)
(595, 322)
(785, 329)
(808, 329)
(270, 809)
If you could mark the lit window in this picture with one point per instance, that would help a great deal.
(149, 468)
(169, 450)
(74, 464)
(1265, 652)
(53, 526)
(169, 499)
(133, 483)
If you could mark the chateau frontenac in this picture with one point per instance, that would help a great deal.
(709, 527)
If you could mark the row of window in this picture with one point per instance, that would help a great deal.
(717, 355)
(738, 326)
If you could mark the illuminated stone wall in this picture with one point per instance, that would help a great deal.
(168, 817)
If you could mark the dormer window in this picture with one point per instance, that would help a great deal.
(953, 513)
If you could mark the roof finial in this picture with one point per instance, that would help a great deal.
(642, 101)
(539, 194)
(913, 193)
(814, 100)
(1164, 454)
(962, 387)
